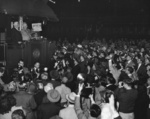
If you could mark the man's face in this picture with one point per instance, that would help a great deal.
(128, 58)
(127, 71)
(37, 65)
(21, 64)
(55, 57)
(138, 61)
(25, 26)
(16, 25)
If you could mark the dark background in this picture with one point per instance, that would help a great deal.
(76, 16)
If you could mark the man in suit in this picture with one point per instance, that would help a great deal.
(25, 100)
(141, 70)
(69, 112)
(16, 34)
(130, 62)
(21, 70)
(51, 108)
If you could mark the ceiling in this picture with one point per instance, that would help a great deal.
(100, 8)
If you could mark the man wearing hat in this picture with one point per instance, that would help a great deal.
(54, 77)
(69, 112)
(49, 109)
(63, 90)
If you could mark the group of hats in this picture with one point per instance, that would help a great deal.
(54, 96)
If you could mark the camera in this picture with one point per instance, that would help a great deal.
(86, 92)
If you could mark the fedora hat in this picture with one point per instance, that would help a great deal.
(71, 97)
(53, 95)
(54, 74)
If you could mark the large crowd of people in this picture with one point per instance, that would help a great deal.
(98, 79)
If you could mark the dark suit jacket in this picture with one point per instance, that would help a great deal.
(47, 110)
(27, 102)
(142, 73)
(15, 35)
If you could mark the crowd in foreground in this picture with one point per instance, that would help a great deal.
(92, 80)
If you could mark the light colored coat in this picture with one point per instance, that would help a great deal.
(68, 113)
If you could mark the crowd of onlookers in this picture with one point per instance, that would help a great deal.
(98, 79)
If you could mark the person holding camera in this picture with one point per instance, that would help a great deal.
(95, 111)
(108, 107)
(126, 97)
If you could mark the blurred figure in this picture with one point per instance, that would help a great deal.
(26, 35)
(25, 100)
(1, 74)
(16, 34)
(35, 71)
(7, 106)
(69, 111)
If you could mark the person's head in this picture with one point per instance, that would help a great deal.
(95, 110)
(21, 63)
(16, 25)
(110, 55)
(55, 56)
(53, 96)
(5, 105)
(12, 86)
(111, 80)
(32, 88)
(129, 58)
(64, 49)
(75, 62)
(18, 114)
(129, 70)
(64, 80)
(82, 58)
(27, 76)
(142, 49)
(148, 81)
(71, 98)
(69, 69)
(48, 87)
(127, 83)
(11, 100)
(37, 65)
(1, 72)
(107, 96)
(148, 69)
(44, 76)
(54, 75)
(22, 86)
(139, 59)
(147, 61)
(81, 77)
(25, 26)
